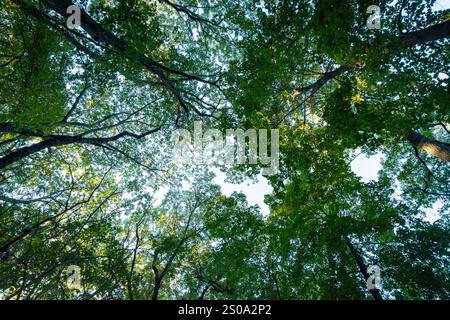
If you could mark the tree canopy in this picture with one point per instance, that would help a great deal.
(87, 176)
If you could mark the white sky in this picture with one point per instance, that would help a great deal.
(442, 5)
(255, 191)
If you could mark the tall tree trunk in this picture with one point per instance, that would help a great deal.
(204, 291)
(436, 148)
(133, 263)
(362, 268)
(156, 288)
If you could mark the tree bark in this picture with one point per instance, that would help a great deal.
(157, 284)
(362, 268)
(27, 151)
(436, 32)
(436, 148)
(61, 140)
(204, 291)
(101, 35)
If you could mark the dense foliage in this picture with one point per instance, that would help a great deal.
(86, 171)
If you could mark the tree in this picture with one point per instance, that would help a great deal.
(87, 177)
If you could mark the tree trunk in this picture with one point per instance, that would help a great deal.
(102, 35)
(362, 268)
(436, 148)
(157, 281)
(27, 151)
(156, 288)
(204, 291)
(62, 140)
(438, 31)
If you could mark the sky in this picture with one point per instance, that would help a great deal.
(442, 5)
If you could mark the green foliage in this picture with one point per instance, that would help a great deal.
(32, 82)
(87, 177)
